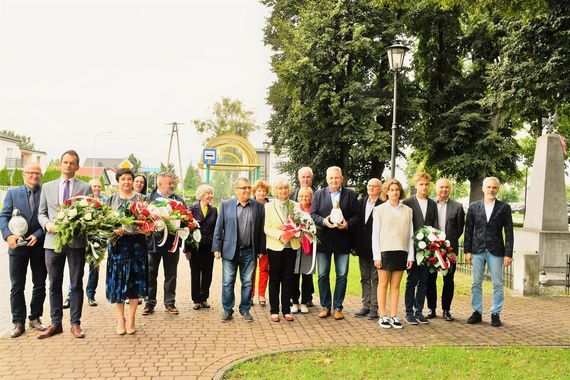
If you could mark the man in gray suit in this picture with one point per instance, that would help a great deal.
(451, 219)
(238, 239)
(54, 194)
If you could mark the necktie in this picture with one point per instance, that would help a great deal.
(66, 190)
(31, 200)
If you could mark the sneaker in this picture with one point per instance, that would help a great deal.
(421, 319)
(395, 322)
(373, 315)
(247, 316)
(304, 309)
(474, 318)
(496, 320)
(362, 312)
(384, 322)
(226, 316)
(92, 302)
(411, 319)
(294, 309)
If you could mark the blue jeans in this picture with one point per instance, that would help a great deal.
(341, 270)
(495, 264)
(245, 261)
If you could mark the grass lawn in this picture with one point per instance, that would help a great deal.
(410, 363)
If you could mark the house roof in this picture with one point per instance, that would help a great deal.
(103, 162)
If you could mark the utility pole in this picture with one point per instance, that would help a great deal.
(174, 130)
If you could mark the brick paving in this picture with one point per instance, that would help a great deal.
(194, 344)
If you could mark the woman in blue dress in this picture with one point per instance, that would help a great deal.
(127, 260)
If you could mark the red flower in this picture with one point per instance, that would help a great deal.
(433, 247)
(432, 259)
(452, 259)
(449, 249)
(89, 200)
(96, 205)
(68, 202)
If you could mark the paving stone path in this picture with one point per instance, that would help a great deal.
(194, 344)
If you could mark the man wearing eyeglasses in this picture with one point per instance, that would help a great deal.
(25, 198)
(238, 240)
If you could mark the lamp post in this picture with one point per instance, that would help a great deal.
(396, 54)
(93, 159)
(266, 146)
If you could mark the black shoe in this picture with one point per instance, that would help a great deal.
(431, 314)
(474, 318)
(226, 316)
(92, 302)
(66, 304)
(495, 320)
(447, 316)
(362, 312)
(373, 315)
(148, 310)
(310, 304)
(247, 316)
(421, 319)
(411, 319)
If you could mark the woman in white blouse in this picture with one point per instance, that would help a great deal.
(392, 248)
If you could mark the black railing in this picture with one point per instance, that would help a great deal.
(466, 268)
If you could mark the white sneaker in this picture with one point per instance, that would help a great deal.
(304, 309)
(384, 322)
(294, 309)
(395, 323)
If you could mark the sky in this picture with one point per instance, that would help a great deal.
(110, 76)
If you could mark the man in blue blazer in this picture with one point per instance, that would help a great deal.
(54, 194)
(334, 238)
(487, 219)
(238, 240)
(26, 199)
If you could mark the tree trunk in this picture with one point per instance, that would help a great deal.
(476, 189)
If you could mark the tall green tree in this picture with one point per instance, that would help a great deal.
(25, 142)
(137, 164)
(4, 177)
(17, 177)
(332, 98)
(228, 117)
(192, 178)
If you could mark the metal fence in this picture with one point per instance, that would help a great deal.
(464, 267)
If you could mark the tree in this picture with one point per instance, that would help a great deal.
(222, 186)
(25, 142)
(4, 177)
(51, 173)
(229, 117)
(192, 178)
(137, 164)
(17, 178)
(332, 98)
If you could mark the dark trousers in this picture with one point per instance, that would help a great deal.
(416, 284)
(306, 289)
(170, 266)
(55, 264)
(92, 282)
(281, 267)
(368, 282)
(18, 268)
(446, 293)
(201, 266)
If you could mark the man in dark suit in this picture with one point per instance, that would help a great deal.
(368, 272)
(424, 214)
(26, 199)
(451, 218)
(487, 219)
(334, 237)
(238, 240)
(164, 189)
(53, 195)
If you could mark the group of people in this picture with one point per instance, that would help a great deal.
(247, 234)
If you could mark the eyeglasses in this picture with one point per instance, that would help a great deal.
(243, 188)
(33, 173)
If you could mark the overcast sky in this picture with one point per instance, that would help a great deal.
(76, 68)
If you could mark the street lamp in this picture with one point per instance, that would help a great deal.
(93, 159)
(266, 145)
(396, 54)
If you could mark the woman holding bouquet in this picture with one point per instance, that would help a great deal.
(201, 257)
(303, 263)
(127, 260)
(281, 250)
(260, 190)
(392, 248)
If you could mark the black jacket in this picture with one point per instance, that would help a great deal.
(207, 225)
(363, 243)
(431, 213)
(481, 235)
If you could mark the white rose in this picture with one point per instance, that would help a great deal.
(88, 216)
(422, 245)
(159, 225)
(420, 236)
(72, 213)
(83, 203)
(447, 243)
(431, 237)
(60, 215)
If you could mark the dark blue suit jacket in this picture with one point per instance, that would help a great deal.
(333, 239)
(18, 199)
(226, 233)
(481, 235)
